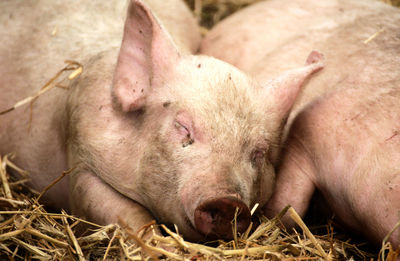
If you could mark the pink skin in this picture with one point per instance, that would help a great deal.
(152, 132)
(342, 133)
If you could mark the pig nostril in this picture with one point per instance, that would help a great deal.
(213, 214)
(214, 218)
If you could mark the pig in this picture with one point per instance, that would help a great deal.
(341, 137)
(148, 130)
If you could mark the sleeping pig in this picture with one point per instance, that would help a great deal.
(148, 130)
(342, 135)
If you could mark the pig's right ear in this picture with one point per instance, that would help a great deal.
(283, 90)
(146, 50)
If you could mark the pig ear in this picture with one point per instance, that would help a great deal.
(284, 89)
(146, 51)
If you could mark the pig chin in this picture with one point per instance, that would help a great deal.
(188, 230)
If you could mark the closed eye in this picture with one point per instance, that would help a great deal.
(258, 157)
(185, 133)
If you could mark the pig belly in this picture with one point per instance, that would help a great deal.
(371, 201)
(39, 145)
(353, 135)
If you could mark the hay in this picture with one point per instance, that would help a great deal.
(209, 12)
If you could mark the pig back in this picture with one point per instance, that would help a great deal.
(360, 53)
(37, 36)
(359, 40)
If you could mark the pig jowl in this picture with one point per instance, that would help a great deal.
(153, 132)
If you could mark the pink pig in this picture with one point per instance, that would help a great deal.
(342, 133)
(149, 130)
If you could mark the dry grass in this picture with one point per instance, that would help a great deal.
(209, 12)
(28, 231)
(392, 2)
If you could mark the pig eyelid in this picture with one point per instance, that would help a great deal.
(259, 153)
(256, 155)
(181, 127)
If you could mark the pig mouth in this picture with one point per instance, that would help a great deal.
(192, 228)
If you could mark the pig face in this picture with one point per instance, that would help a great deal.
(211, 149)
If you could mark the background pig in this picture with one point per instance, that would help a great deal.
(37, 36)
(148, 130)
(343, 138)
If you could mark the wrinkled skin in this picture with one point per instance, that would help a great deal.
(342, 133)
(148, 130)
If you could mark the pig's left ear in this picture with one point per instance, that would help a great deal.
(147, 50)
(283, 90)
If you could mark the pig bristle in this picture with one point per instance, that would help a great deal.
(28, 231)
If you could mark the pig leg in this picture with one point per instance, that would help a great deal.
(294, 184)
(98, 202)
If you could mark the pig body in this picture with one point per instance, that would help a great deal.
(342, 133)
(148, 130)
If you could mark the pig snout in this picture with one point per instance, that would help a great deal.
(215, 218)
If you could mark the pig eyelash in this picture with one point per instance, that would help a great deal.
(187, 141)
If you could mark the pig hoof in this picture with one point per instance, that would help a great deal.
(315, 57)
(214, 217)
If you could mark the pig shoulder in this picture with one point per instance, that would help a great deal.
(346, 145)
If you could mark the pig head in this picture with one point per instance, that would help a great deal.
(185, 139)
